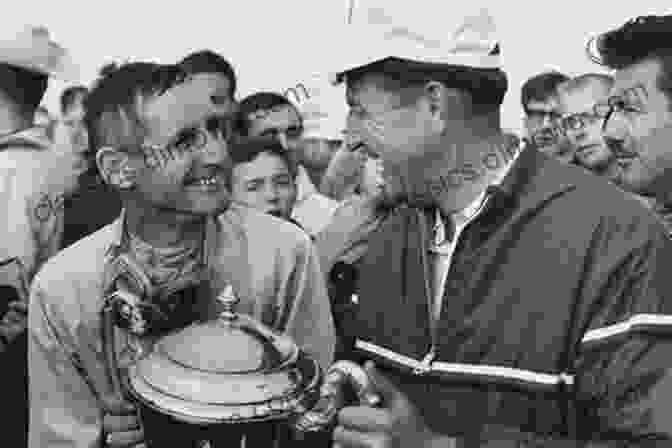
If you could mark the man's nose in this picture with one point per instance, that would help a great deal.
(614, 127)
(271, 194)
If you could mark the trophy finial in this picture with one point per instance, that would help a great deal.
(229, 300)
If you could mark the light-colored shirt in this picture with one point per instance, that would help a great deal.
(31, 222)
(443, 249)
(272, 267)
(313, 210)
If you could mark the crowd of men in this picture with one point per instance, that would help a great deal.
(500, 290)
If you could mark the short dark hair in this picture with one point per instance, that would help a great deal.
(207, 61)
(24, 88)
(256, 102)
(541, 87)
(111, 116)
(581, 81)
(644, 37)
(70, 95)
(486, 87)
(246, 149)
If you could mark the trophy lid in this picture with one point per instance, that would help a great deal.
(231, 369)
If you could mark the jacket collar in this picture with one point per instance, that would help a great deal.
(476, 207)
(533, 178)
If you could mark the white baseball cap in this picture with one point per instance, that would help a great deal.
(31, 48)
(432, 31)
(322, 106)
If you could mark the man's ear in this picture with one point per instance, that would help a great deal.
(115, 168)
(447, 103)
(437, 97)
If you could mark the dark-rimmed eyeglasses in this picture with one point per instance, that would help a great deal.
(627, 102)
(578, 121)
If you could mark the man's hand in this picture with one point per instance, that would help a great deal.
(14, 322)
(346, 237)
(396, 424)
(121, 425)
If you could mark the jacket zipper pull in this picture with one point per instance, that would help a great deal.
(426, 363)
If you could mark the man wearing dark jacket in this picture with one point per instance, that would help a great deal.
(506, 301)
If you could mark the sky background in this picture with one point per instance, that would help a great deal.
(275, 44)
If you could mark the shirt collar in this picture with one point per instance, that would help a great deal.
(472, 210)
(117, 234)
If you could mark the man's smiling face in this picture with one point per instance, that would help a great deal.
(185, 159)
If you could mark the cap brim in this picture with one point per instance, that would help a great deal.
(362, 47)
(359, 49)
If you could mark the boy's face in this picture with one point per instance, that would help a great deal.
(266, 184)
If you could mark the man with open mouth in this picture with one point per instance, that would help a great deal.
(506, 301)
(264, 176)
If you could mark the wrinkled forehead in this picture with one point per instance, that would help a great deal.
(185, 105)
(583, 98)
(368, 90)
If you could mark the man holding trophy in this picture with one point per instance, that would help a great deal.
(178, 244)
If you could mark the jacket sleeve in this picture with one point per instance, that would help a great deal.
(310, 321)
(623, 355)
(34, 214)
(346, 237)
(64, 411)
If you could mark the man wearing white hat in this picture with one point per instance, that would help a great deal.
(506, 301)
(32, 190)
(30, 198)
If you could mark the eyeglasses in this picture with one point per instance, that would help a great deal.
(627, 102)
(578, 121)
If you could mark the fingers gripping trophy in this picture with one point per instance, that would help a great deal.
(196, 379)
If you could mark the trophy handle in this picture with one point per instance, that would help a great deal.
(341, 375)
(110, 350)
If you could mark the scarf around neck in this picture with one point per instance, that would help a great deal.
(165, 265)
